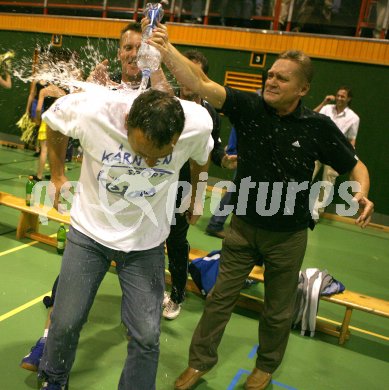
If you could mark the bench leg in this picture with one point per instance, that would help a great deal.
(345, 325)
(27, 223)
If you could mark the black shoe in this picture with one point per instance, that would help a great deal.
(35, 178)
(36, 154)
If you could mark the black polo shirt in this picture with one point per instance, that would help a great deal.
(276, 154)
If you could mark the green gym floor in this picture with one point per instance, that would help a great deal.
(358, 258)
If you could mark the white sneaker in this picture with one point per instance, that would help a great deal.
(171, 310)
(166, 299)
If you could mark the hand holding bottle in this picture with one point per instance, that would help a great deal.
(149, 58)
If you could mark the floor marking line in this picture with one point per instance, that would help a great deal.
(18, 248)
(23, 307)
(236, 378)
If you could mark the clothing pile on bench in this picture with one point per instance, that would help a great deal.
(312, 284)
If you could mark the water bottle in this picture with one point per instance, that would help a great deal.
(61, 239)
(149, 58)
(29, 186)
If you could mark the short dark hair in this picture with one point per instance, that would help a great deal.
(133, 26)
(302, 60)
(197, 56)
(158, 115)
(347, 89)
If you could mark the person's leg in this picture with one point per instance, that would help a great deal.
(178, 252)
(142, 279)
(197, 10)
(237, 260)
(42, 159)
(31, 361)
(381, 11)
(216, 223)
(304, 12)
(84, 265)
(283, 255)
(327, 9)
(258, 7)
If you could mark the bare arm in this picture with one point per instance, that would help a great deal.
(49, 91)
(366, 207)
(185, 71)
(7, 82)
(327, 100)
(229, 161)
(31, 96)
(159, 82)
(198, 174)
(100, 74)
(56, 145)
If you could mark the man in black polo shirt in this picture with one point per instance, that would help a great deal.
(278, 142)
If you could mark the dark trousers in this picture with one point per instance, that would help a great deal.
(178, 248)
(283, 255)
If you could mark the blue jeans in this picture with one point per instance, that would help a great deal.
(142, 280)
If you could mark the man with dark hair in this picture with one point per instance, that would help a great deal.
(278, 142)
(129, 77)
(177, 244)
(348, 123)
(134, 147)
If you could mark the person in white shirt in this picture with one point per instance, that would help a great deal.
(134, 146)
(348, 123)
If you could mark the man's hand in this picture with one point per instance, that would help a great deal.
(229, 161)
(60, 186)
(190, 217)
(160, 38)
(328, 99)
(100, 74)
(366, 209)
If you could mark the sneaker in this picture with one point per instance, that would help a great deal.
(166, 299)
(171, 310)
(31, 361)
(53, 386)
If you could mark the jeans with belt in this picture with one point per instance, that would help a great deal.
(141, 276)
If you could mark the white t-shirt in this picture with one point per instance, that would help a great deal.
(347, 120)
(121, 202)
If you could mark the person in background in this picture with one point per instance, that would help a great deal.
(382, 18)
(177, 244)
(279, 141)
(129, 75)
(5, 70)
(215, 226)
(348, 123)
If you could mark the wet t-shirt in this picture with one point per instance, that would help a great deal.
(121, 202)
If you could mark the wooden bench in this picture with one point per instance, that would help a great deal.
(349, 299)
(28, 225)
